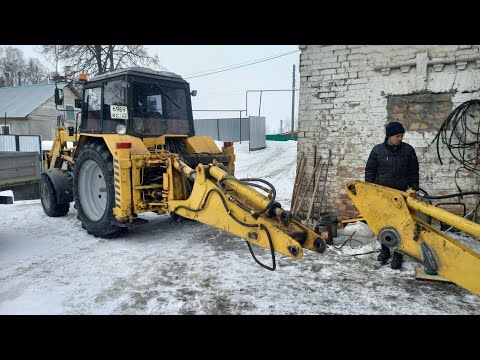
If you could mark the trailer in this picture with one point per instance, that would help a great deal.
(19, 172)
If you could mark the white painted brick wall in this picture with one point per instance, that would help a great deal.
(343, 107)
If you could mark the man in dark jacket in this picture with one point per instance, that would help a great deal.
(393, 164)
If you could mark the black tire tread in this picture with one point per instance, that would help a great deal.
(53, 209)
(105, 227)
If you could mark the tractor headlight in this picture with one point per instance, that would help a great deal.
(121, 129)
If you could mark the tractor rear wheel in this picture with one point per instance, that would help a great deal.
(94, 192)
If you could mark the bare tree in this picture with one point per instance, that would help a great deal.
(35, 72)
(12, 64)
(98, 59)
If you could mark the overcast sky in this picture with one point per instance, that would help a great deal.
(227, 90)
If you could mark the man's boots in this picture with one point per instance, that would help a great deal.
(396, 261)
(384, 254)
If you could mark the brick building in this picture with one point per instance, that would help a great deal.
(348, 93)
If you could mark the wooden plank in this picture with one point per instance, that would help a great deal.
(298, 181)
(310, 208)
(347, 221)
(297, 207)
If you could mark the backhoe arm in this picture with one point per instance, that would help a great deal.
(391, 216)
(225, 202)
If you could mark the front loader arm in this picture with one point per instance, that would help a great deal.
(59, 152)
(391, 216)
(220, 200)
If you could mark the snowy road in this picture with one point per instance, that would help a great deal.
(52, 266)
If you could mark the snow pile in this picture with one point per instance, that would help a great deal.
(7, 193)
(276, 164)
(361, 229)
(47, 145)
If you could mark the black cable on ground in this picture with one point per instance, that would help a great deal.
(350, 239)
(369, 252)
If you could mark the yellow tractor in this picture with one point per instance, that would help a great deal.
(134, 150)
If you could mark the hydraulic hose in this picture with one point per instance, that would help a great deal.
(438, 197)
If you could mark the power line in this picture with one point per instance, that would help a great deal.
(232, 67)
(246, 62)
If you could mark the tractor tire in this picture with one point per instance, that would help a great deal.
(94, 191)
(48, 198)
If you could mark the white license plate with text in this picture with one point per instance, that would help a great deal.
(118, 112)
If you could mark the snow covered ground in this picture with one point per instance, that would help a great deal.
(52, 266)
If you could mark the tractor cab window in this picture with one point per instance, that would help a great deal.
(159, 108)
(93, 104)
(115, 110)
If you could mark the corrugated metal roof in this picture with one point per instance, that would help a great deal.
(20, 101)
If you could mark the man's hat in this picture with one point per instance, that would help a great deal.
(394, 128)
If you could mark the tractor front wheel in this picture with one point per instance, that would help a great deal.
(48, 198)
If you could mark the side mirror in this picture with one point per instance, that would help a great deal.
(58, 96)
(78, 103)
(193, 92)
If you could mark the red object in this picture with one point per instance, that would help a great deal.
(227, 144)
(123, 145)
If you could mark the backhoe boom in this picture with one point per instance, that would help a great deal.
(391, 216)
(220, 200)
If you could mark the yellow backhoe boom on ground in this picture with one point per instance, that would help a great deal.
(391, 214)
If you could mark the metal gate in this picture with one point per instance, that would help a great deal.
(258, 138)
(234, 129)
(23, 143)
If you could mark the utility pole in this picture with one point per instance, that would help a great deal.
(293, 104)
(260, 103)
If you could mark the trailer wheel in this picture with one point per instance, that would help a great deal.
(93, 191)
(49, 198)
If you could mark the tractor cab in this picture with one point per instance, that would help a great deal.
(137, 101)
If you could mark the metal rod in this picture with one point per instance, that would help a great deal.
(241, 130)
(260, 103)
(246, 96)
(219, 110)
(474, 211)
(444, 216)
(293, 104)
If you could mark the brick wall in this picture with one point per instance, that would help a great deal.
(348, 93)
